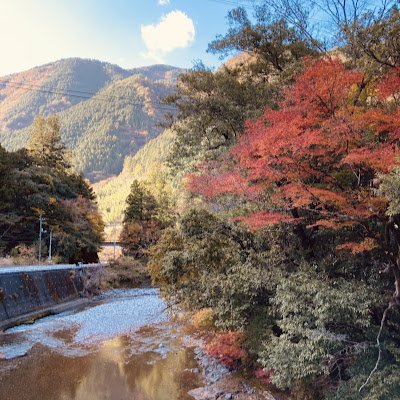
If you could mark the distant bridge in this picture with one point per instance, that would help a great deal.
(112, 244)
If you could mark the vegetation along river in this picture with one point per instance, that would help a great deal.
(124, 346)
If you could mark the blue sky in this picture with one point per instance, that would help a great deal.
(129, 33)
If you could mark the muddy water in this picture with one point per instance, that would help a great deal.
(123, 347)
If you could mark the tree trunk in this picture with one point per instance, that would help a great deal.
(300, 231)
(393, 232)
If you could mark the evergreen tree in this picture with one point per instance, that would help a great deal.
(141, 226)
(39, 182)
(45, 145)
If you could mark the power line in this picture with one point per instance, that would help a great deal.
(89, 95)
(234, 3)
(92, 96)
(95, 96)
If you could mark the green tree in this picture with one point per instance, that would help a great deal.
(213, 108)
(46, 146)
(141, 227)
(39, 182)
(270, 38)
(205, 262)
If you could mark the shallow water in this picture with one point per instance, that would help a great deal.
(123, 347)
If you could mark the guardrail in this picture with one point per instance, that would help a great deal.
(46, 267)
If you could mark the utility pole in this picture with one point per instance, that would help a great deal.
(40, 237)
(41, 230)
(51, 237)
(115, 237)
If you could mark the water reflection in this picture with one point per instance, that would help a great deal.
(141, 378)
(145, 364)
(110, 373)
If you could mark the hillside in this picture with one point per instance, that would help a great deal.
(106, 112)
(147, 165)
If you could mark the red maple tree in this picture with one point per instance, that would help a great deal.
(320, 155)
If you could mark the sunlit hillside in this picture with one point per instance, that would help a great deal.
(147, 165)
(106, 112)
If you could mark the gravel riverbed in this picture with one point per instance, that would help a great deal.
(124, 345)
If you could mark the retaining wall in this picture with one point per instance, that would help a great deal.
(29, 292)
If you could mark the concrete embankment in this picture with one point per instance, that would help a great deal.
(32, 291)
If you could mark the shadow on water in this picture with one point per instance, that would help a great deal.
(145, 364)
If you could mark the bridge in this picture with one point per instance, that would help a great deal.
(111, 244)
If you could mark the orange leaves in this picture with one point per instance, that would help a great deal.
(366, 245)
(220, 178)
(264, 375)
(213, 185)
(203, 320)
(381, 159)
(327, 197)
(323, 88)
(262, 219)
(333, 223)
(227, 347)
(318, 153)
(379, 121)
(302, 195)
(52, 200)
(389, 87)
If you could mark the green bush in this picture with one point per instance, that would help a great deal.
(204, 262)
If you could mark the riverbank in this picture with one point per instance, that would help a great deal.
(123, 339)
(220, 383)
(124, 345)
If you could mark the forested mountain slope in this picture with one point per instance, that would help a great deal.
(147, 165)
(106, 112)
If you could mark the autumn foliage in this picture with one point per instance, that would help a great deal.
(263, 375)
(311, 273)
(227, 347)
(319, 154)
(203, 320)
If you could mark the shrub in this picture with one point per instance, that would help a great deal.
(263, 375)
(227, 347)
(204, 262)
(203, 320)
(124, 272)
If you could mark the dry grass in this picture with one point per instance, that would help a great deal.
(124, 272)
(7, 261)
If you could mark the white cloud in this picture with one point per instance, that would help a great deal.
(163, 2)
(174, 31)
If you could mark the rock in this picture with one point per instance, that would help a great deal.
(192, 370)
(2, 356)
(206, 393)
(228, 396)
(246, 388)
(213, 370)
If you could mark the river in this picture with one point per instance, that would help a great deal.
(123, 346)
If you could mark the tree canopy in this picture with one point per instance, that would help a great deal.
(141, 225)
(40, 183)
(304, 267)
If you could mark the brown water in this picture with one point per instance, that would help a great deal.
(146, 363)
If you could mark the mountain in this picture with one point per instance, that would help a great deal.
(107, 113)
(147, 165)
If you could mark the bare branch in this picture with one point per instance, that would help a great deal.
(378, 344)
